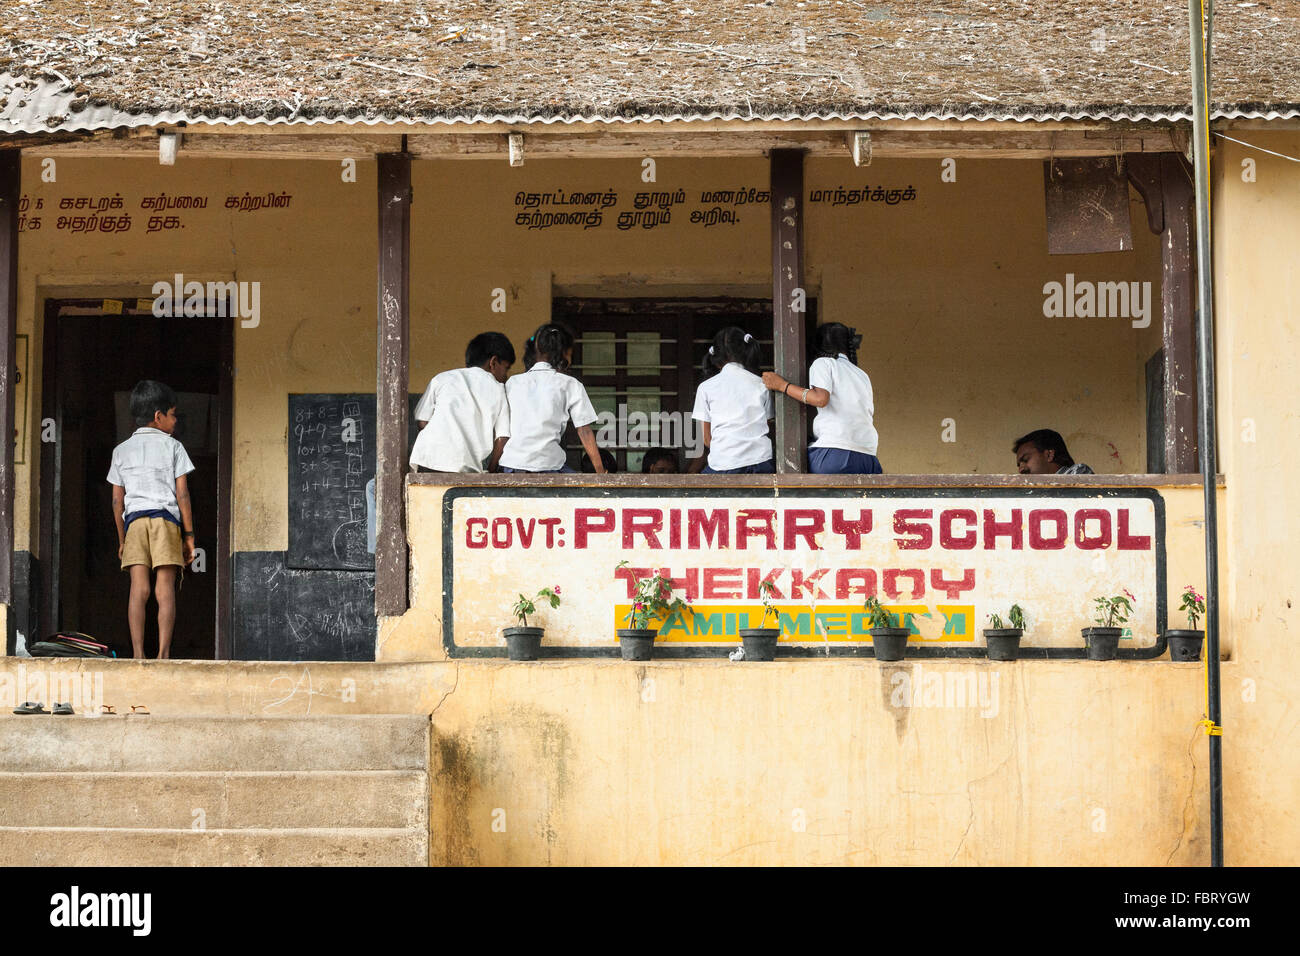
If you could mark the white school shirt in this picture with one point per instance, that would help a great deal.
(846, 422)
(147, 465)
(466, 410)
(737, 406)
(542, 401)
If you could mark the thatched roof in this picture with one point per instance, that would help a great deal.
(532, 60)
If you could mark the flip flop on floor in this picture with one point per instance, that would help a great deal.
(62, 709)
(31, 707)
(108, 709)
(139, 710)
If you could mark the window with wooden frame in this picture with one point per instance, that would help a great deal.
(646, 355)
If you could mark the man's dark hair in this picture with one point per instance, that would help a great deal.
(654, 455)
(606, 458)
(1046, 440)
(488, 345)
(149, 397)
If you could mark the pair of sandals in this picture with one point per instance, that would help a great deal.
(35, 707)
(137, 710)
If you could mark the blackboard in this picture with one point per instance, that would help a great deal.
(285, 614)
(331, 458)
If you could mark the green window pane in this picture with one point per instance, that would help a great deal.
(643, 353)
(597, 353)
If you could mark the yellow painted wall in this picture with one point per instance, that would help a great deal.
(947, 289)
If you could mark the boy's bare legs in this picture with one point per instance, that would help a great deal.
(135, 608)
(165, 591)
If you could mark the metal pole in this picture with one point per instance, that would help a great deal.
(1205, 389)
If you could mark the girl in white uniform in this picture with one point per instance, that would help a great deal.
(845, 439)
(542, 402)
(734, 408)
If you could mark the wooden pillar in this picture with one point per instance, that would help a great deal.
(1164, 182)
(789, 306)
(10, 176)
(391, 382)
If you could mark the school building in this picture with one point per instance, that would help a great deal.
(296, 221)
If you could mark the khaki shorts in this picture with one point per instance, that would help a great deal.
(153, 542)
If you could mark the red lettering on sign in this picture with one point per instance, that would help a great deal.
(845, 579)
(954, 588)
(804, 523)
(994, 529)
(753, 579)
(1130, 542)
(471, 539)
(550, 524)
(502, 533)
(756, 523)
(800, 583)
(631, 576)
(904, 523)
(675, 528)
(591, 521)
(948, 540)
(853, 530)
(526, 537)
(1039, 541)
(709, 526)
(1081, 518)
(721, 583)
(643, 521)
(690, 583)
(915, 575)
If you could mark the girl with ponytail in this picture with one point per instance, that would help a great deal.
(734, 408)
(845, 440)
(542, 402)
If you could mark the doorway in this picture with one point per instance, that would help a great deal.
(94, 353)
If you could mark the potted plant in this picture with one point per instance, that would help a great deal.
(1185, 645)
(652, 599)
(1111, 612)
(524, 642)
(888, 640)
(760, 642)
(1004, 642)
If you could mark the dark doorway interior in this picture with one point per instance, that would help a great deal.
(98, 358)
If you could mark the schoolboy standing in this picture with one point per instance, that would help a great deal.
(463, 416)
(151, 508)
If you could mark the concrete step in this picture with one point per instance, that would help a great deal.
(374, 799)
(44, 743)
(91, 846)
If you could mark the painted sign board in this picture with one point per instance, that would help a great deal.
(942, 559)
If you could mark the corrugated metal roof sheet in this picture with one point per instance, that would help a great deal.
(44, 107)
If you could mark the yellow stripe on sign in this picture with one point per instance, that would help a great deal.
(112, 307)
(800, 623)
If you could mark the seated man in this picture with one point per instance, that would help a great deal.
(1043, 452)
(660, 461)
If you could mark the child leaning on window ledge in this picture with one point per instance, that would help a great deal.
(151, 508)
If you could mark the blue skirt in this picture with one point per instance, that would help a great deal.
(838, 461)
(762, 468)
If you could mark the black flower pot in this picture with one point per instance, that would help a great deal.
(760, 642)
(889, 643)
(1003, 642)
(1184, 645)
(523, 643)
(1102, 642)
(637, 643)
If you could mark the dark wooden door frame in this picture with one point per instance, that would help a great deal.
(1164, 182)
(51, 476)
(10, 185)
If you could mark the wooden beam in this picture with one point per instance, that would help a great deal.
(635, 142)
(10, 186)
(1164, 183)
(788, 292)
(391, 383)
